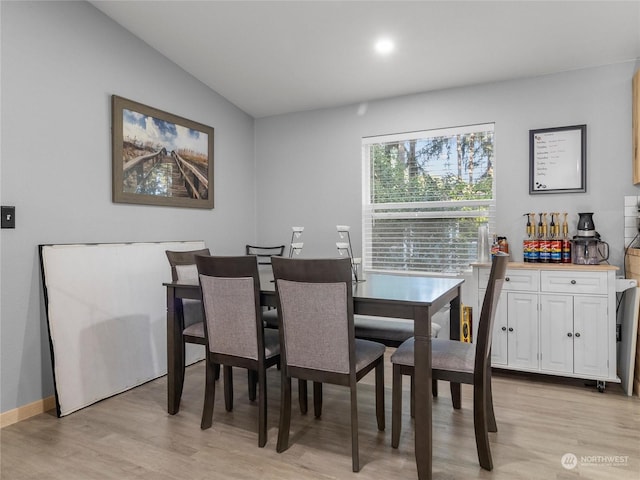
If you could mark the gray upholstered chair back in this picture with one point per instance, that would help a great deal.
(316, 327)
(315, 304)
(230, 315)
(231, 302)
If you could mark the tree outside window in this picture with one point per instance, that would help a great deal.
(425, 195)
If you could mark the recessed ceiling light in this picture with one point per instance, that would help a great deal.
(384, 46)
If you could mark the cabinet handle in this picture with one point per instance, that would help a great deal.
(573, 282)
(569, 334)
(506, 279)
(511, 329)
(504, 329)
(577, 335)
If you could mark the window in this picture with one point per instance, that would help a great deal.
(424, 196)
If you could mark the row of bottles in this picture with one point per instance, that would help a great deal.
(543, 243)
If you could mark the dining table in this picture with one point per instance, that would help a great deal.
(412, 297)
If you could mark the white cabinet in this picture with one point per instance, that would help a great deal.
(522, 330)
(515, 331)
(500, 341)
(590, 335)
(515, 339)
(556, 333)
(554, 319)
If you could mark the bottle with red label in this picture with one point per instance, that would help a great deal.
(534, 253)
(503, 245)
(554, 239)
(543, 239)
(529, 244)
(495, 248)
(566, 243)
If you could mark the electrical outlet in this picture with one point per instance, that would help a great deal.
(8, 217)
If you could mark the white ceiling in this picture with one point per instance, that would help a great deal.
(273, 57)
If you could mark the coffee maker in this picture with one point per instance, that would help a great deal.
(588, 249)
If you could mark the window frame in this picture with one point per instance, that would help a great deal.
(368, 208)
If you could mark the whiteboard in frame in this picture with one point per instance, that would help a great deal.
(558, 160)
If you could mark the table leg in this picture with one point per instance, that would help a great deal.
(175, 355)
(454, 334)
(423, 400)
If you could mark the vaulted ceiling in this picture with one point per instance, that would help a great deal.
(273, 57)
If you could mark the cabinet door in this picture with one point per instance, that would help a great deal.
(590, 336)
(522, 330)
(499, 337)
(556, 333)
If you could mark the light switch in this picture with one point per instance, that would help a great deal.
(8, 217)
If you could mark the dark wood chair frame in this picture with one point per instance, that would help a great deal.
(323, 271)
(484, 420)
(236, 267)
(179, 258)
(264, 254)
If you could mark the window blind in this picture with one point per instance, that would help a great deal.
(424, 196)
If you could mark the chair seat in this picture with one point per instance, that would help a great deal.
(458, 362)
(271, 343)
(195, 330)
(270, 318)
(390, 331)
(366, 352)
(445, 354)
(315, 302)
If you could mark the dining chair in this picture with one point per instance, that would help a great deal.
(317, 340)
(459, 362)
(264, 254)
(234, 330)
(188, 312)
(389, 331)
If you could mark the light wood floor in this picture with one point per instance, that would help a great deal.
(130, 436)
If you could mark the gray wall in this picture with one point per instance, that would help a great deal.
(61, 62)
(317, 155)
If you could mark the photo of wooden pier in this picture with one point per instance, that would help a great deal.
(163, 159)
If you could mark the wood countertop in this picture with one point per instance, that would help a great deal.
(552, 266)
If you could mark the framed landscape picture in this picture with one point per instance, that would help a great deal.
(160, 158)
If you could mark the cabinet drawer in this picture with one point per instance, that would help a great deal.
(515, 280)
(574, 282)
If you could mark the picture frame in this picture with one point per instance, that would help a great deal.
(558, 160)
(159, 158)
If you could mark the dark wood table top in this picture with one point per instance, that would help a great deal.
(386, 295)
